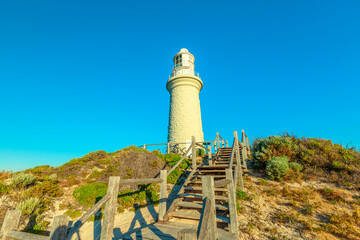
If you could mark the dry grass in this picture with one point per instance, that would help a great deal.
(310, 210)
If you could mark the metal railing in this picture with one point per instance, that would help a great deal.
(196, 74)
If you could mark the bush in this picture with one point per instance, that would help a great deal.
(29, 206)
(22, 180)
(200, 152)
(277, 167)
(47, 188)
(274, 146)
(87, 195)
(53, 177)
(4, 189)
(297, 167)
(241, 195)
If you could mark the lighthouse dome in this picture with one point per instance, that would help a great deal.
(183, 50)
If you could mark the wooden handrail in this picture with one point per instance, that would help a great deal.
(180, 161)
(202, 146)
(86, 216)
(141, 181)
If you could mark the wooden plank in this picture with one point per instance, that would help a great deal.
(221, 183)
(223, 166)
(198, 196)
(187, 234)
(200, 206)
(84, 218)
(232, 203)
(215, 176)
(110, 209)
(11, 221)
(208, 193)
(163, 195)
(200, 189)
(140, 181)
(180, 161)
(196, 216)
(193, 153)
(13, 234)
(59, 227)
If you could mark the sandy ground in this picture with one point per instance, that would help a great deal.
(125, 224)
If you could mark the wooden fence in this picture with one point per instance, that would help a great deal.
(207, 227)
(216, 144)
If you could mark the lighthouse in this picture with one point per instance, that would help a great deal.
(184, 86)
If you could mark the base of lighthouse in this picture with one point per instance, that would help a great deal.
(185, 113)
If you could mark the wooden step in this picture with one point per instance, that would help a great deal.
(200, 189)
(199, 206)
(195, 216)
(198, 196)
(224, 166)
(211, 171)
(215, 176)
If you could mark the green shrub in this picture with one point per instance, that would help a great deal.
(29, 206)
(297, 167)
(73, 213)
(277, 167)
(47, 188)
(274, 146)
(241, 195)
(152, 193)
(200, 152)
(125, 200)
(53, 177)
(87, 195)
(22, 180)
(4, 189)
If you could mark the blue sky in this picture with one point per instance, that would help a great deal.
(80, 76)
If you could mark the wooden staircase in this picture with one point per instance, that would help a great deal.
(189, 204)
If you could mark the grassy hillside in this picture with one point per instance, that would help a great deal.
(79, 183)
(297, 188)
(301, 188)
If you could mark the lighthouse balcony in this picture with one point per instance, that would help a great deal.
(176, 73)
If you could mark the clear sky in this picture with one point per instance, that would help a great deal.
(80, 76)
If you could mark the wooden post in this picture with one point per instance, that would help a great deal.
(244, 154)
(193, 155)
(239, 178)
(209, 157)
(227, 144)
(144, 146)
(243, 136)
(59, 227)
(248, 145)
(217, 140)
(204, 223)
(168, 147)
(208, 192)
(232, 203)
(163, 193)
(187, 234)
(110, 209)
(11, 222)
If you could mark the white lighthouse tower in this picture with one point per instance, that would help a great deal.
(184, 86)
